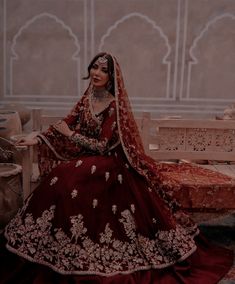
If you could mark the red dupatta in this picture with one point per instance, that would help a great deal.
(132, 143)
(160, 176)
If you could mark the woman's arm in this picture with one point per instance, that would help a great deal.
(28, 141)
(101, 144)
(62, 127)
(72, 117)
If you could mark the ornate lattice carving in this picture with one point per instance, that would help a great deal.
(196, 139)
(225, 140)
(199, 139)
(172, 139)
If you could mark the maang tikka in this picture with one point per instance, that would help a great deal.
(102, 60)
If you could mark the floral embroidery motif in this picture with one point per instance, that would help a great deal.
(94, 203)
(114, 208)
(127, 166)
(114, 125)
(111, 111)
(79, 162)
(150, 189)
(106, 237)
(90, 143)
(77, 228)
(93, 169)
(154, 221)
(107, 175)
(53, 180)
(78, 253)
(133, 208)
(120, 178)
(129, 224)
(74, 193)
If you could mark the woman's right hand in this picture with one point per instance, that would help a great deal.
(26, 141)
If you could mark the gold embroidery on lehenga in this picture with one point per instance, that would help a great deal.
(77, 228)
(37, 240)
(78, 163)
(93, 169)
(106, 237)
(120, 178)
(94, 203)
(114, 208)
(129, 224)
(107, 175)
(133, 208)
(74, 193)
(53, 180)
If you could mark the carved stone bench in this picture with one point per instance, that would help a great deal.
(196, 141)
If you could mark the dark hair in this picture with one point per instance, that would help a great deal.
(110, 69)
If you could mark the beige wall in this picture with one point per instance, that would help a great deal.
(178, 56)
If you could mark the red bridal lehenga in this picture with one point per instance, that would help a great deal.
(101, 213)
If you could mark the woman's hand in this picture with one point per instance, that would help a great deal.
(26, 141)
(62, 127)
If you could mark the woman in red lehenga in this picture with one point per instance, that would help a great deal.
(101, 213)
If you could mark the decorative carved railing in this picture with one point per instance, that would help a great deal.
(192, 139)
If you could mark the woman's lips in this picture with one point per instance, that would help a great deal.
(96, 80)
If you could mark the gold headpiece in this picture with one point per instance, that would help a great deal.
(102, 60)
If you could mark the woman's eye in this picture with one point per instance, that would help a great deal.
(105, 70)
(94, 66)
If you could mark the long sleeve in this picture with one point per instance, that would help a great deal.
(73, 117)
(107, 135)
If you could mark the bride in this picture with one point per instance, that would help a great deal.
(101, 213)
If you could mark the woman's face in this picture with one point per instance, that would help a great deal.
(99, 73)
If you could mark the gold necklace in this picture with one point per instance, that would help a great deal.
(100, 95)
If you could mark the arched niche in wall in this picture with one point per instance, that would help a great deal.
(45, 59)
(211, 71)
(143, 51)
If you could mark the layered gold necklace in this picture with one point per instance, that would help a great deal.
(100, 95)
(100, 99)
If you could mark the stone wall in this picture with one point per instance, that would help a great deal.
(177, 56)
